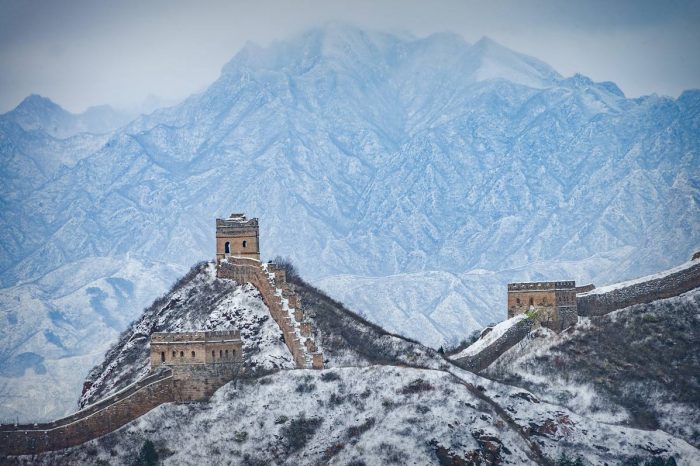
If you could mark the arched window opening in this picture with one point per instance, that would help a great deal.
(174, 353)
(226, 354)
(517, 300)
(182, 354)
(227, 248)
(221, 354)
(162, 356)
(245, 243)
(192, 353)
(532, 301)
(212, 355)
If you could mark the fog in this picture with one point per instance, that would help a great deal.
(83, 53)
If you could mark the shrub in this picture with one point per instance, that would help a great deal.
(148, 456)
(305, 387)
(336, 399)
(330, 376)
(299, 431)
(356, 431)
(281, 419)
(416, 386)
(240, 436)
(286, 264)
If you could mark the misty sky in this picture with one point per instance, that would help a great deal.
(82, 53)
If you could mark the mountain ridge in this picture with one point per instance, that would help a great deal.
(385, 162)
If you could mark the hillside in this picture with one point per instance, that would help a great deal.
(201, 301)
(381, 398)
(637, 365)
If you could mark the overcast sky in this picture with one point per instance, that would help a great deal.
(88, 52)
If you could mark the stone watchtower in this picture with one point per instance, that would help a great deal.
(553, 303)
(237, 236)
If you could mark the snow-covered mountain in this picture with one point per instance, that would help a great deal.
(367, 155)
(381, 399)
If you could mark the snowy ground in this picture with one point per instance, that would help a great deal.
(373, 415)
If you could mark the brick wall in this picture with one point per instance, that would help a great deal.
(179, 384)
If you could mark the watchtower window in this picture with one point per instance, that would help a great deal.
(226, 354)
(532, 301)
(174, 353)
(245, 243)
(162, 356)
(212, 355)
(182, 354)
(192, 353)
(227, 248)
(517, 300)
(221, 354)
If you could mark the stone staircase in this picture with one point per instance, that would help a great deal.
(284, 305)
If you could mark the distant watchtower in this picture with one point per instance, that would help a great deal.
(554, 303)
(238, 237)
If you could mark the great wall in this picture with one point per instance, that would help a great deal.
(192, 366)
(589, 302)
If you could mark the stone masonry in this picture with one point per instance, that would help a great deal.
(597, 303)
(191, 348)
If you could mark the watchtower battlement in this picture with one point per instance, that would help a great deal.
(524, 286)
(191, 348)
(237, 236)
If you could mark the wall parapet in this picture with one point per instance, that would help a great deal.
(603, 300)
(500, 345)
(544, 286)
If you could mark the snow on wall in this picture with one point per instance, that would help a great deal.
(665, 284)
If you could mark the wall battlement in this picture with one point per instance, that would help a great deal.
(560, 285)
(597, 302)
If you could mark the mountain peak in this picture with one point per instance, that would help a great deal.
(499, 62)
(35, 102)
